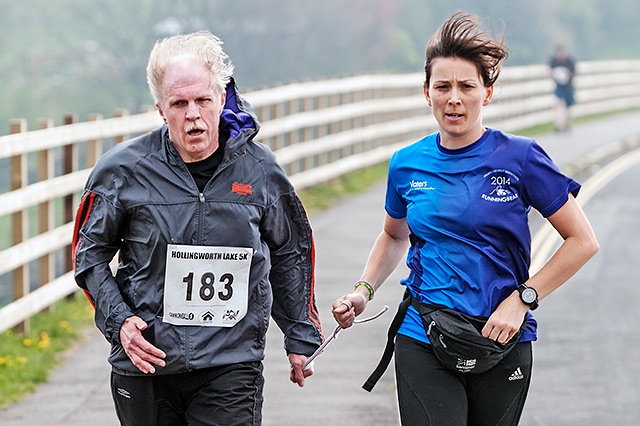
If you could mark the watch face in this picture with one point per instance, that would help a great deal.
(528, 295)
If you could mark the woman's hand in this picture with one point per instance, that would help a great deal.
(506, 320)
(346, 308)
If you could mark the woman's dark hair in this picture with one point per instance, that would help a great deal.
(461, 37)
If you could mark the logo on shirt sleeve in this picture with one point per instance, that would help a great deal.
(420, 185)
(500, 183)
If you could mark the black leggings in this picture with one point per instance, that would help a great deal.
(430, 395)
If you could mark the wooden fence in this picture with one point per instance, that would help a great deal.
(318, 130)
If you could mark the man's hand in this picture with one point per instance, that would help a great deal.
(142, 353)
(297, 375)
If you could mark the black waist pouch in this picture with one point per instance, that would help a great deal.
(457, 340)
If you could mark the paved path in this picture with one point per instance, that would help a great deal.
(587, 358)
(581, 377)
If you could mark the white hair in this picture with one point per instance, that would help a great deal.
(203, 46)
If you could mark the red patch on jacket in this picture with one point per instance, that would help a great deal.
(242, 188)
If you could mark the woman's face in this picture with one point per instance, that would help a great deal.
(457, 95)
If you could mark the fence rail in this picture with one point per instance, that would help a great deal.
(318, 131)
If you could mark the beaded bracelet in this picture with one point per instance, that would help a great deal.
(368, 286)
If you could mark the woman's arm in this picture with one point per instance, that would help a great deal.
(387, 252)
(579, 245)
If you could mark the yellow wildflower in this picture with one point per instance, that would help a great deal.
(44, 340)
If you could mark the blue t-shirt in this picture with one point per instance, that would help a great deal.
(467, 210)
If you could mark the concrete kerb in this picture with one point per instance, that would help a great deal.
(586, 163)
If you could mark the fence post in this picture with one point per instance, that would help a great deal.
(94, 147)
(19, 220)
(70, 165)
(121, 112)
(46, 210)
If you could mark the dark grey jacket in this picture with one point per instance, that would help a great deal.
(141, 197)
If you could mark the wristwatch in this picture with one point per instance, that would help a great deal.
(528, 295)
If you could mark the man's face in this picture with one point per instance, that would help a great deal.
(191, 107)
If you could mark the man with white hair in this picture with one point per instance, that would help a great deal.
(212, 242)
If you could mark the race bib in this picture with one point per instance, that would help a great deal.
(206, 286)
(561, 75)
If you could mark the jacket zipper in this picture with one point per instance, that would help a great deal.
(200, 216)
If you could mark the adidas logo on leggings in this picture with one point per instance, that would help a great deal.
(516, 375)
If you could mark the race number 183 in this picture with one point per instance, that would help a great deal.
(208, 285)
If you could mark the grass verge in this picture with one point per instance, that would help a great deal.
(27, 359)
(325, 195)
